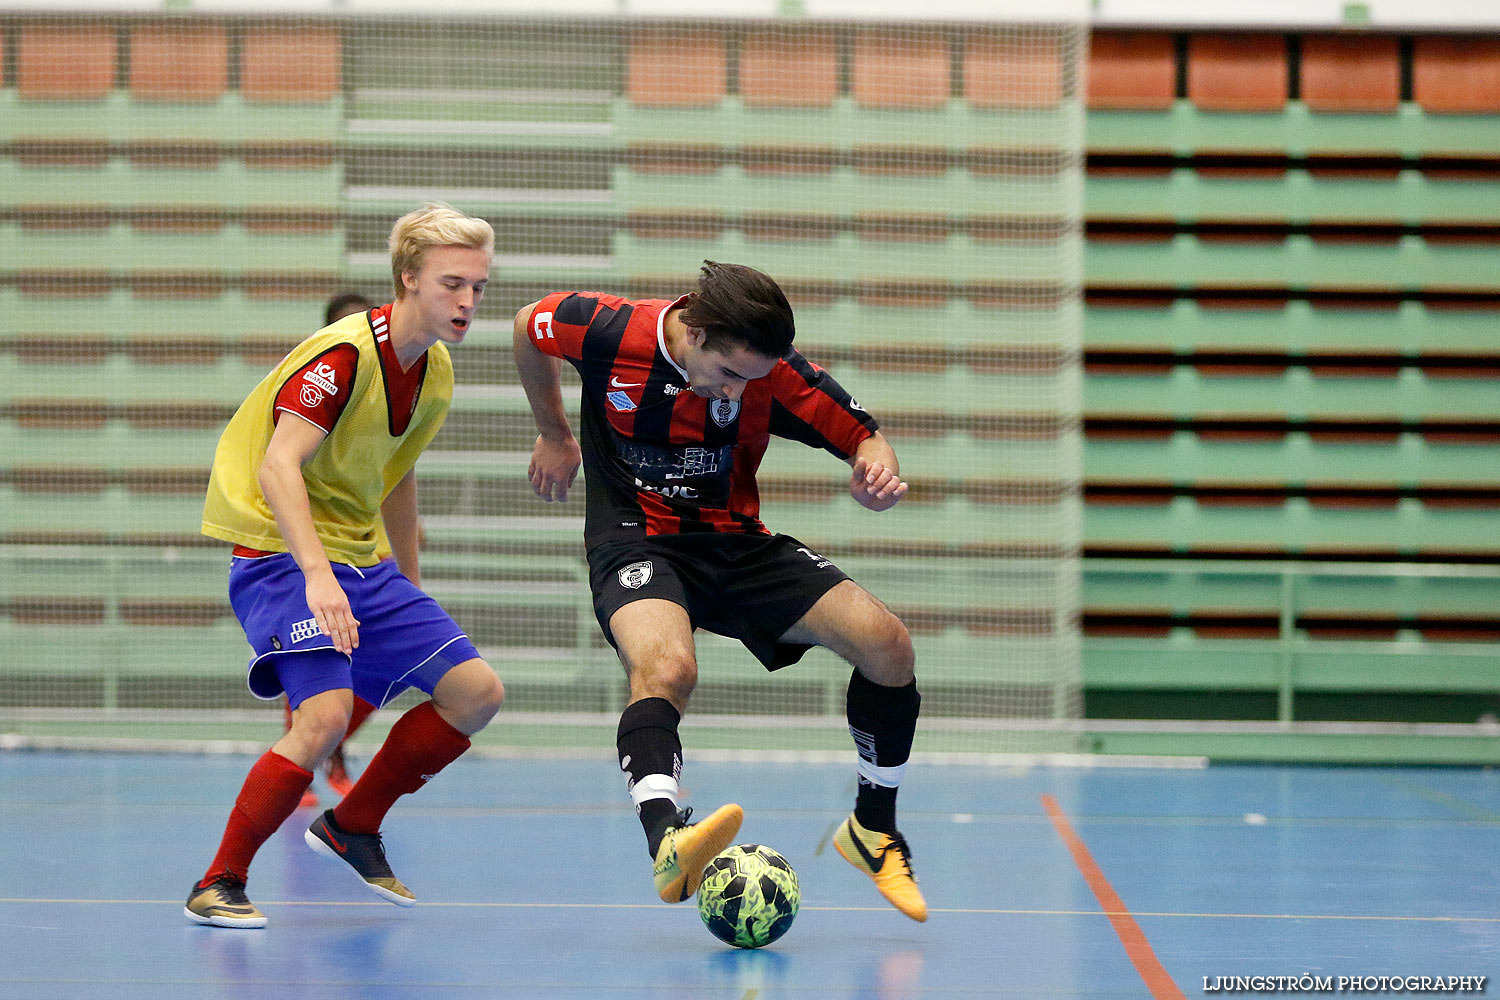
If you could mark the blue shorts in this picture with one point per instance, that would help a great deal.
(406, 639)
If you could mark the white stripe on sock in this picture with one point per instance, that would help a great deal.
(886, 777)
(655, 786)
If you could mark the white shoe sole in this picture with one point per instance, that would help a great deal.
(240, 923)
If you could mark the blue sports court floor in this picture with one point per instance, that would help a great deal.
(533, 881)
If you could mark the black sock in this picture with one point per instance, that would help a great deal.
(648, 745)
(883, 722)
(657, 816)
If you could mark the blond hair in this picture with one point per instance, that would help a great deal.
(433, 225)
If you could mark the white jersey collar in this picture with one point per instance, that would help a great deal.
(661, 337)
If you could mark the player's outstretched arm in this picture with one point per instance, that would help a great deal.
(280, 475)
(556, 456)
(876, 482)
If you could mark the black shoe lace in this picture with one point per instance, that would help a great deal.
(375, 859)
(898, 844)
(231, 889)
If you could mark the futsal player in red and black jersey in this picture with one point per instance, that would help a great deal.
(680, 400)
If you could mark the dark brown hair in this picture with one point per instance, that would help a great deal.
(345, 304)
(738, 303)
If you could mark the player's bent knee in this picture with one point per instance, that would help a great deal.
(890, 658)
(469, 696)
(672, 678)
(319, 723)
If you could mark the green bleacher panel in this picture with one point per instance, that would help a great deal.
(845, 126)
(116, 446)
(1295, 525)
(119, 652)
(1297, 196)
(1410, 328)
(1296, 262)
(1391, 591)
(1296, 393)
(537, 524)
(116, 183)
(232, 248)
(951, 520)
(956, 389)
(114, 509)
(1297, 458)
(1294, 131)
(844, 257)
(114, 574)
(460, 89)
(231, 314)
(955, 321)
(843, 190)
(992, 589)
(120, 119)
(1184, 662)
(450, 56)
(926, 459)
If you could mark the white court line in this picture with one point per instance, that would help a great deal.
(425, 904)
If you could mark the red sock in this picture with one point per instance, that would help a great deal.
(271, 792)
(358, 715)
(419, 745)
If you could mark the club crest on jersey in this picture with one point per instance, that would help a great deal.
(724, 411)
(621, 401)
(636, 575)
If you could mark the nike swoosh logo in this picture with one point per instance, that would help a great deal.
(870, 859)
(615, 383)
(343, 849)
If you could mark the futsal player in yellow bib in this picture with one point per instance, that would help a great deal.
(322, 449)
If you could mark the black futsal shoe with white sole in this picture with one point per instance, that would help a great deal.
(363, 853)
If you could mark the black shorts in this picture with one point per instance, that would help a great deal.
(747, 587)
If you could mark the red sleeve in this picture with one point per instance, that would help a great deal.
(319, 390)
(809, 406)
(558, 324)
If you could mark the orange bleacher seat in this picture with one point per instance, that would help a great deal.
(69, 63)
(1132, 70)
(178, 62)
(1242, 72)
(1456, 75)
(782, 67)
(301, 65)
(1013, 71)
(908, 69)
(676, 68)
(1351, 72)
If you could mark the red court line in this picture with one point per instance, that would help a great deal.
(1137, 948)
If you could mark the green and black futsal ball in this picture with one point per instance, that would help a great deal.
(749, 896)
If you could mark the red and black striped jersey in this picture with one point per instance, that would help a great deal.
(660, 459)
